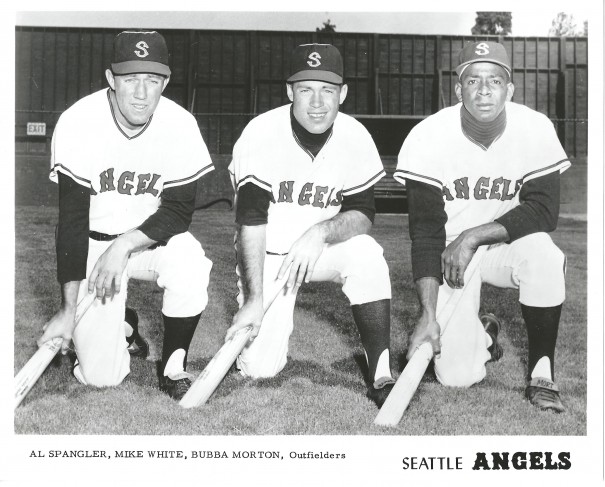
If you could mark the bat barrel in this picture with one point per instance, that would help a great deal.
(213, 374)
(36, 365)
(203, 387)
(397, 402)
(33, 369)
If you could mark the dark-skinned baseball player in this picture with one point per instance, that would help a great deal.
(485, 173)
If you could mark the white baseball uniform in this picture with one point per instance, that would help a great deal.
(306, 191)
(126, 176)
(478, 187)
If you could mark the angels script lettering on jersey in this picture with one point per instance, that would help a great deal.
(310, 194)
(483, 189)
(128, 183)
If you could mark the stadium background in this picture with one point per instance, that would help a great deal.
(225, 78)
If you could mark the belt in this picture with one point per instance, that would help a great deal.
(104, 237)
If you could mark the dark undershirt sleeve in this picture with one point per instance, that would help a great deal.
(427, 220)
(539, 208)
(363, 202)
(72, 230)
(252, 207)
(174, 213)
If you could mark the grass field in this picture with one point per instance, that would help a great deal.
(321, 390)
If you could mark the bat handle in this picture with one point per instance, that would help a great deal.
(83, 306)
(242, 331)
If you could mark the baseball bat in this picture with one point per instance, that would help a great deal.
(217, 368)
(212, 375)
(404, 389)
(37, 364)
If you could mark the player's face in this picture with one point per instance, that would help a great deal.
(136, 96)
(484, 89)
(315, 103)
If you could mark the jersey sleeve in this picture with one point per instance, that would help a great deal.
(245, 166)
(366, 167)
(414, 161)
(189, 156)
(547, 154)
(64, 147)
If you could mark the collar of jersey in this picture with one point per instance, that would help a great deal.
(119, 127)
(304, 138)
(483, 134)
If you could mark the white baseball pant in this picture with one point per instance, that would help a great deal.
(533, 264)
(358, 264)
(180, 268)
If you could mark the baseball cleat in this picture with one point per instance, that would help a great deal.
(491, 324)
(176, 388)
(544, 394)
(137, 345)
(380, 389)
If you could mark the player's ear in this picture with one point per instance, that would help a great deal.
(290, 91)
(344, 89)
(110, 79)
(458, 90)
(510, 91)
(166, 80)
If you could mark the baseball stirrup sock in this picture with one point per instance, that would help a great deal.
(542, 369)
(178, 333)
(128, 330)
(542, 329)
(373, 321)
(131, 328)
(174, 367)
(488, 341)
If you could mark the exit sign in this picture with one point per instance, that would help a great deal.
(36, 128)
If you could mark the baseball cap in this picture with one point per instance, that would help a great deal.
(316, 62)
(140, 52)
(483, 52)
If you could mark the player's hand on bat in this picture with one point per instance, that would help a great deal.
(106, 276)
(62, 324)
(251, 313)
(427, 330)
(455, 259)
(302, 258)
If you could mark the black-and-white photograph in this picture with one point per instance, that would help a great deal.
(332, 246)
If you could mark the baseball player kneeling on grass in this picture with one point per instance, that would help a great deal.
(485, 173)
(127, 161)
(304, 177)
